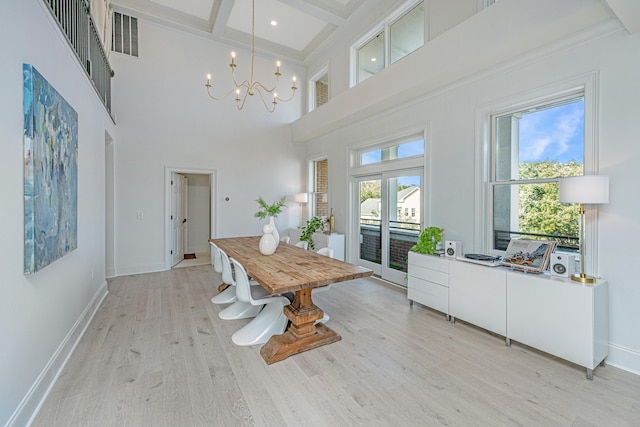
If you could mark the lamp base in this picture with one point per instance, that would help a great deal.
(583, 278)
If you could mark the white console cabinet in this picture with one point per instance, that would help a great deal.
(478, 295)
(334, 241)
(428, 281)
(559, 316)
(556, 315)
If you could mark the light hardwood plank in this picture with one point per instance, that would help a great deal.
(156, 354)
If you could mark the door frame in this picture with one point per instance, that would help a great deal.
(381, 269)
(168, 170)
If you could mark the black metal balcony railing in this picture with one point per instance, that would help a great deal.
(75, 21)
(402, 236)
(501, 239)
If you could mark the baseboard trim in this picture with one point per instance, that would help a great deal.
(140, 269)
(624, 358)
(28, 408)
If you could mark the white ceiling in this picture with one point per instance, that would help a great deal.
(302, 25)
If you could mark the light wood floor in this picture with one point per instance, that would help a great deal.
(156, 354)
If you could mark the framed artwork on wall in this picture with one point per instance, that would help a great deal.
(50, 173)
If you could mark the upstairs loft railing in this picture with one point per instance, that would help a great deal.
(74, 19)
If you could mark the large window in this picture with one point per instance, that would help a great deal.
(532, 147)
(398, 36)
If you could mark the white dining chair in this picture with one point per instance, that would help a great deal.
(217, 265)
(238, 309)
(228, 295)
(270, 321)
(302, 244)
(326, 252)
(285, 239)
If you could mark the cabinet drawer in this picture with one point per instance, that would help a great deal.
(429, 261)
(429, 294)
(429, 275)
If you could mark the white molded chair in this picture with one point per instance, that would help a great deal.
(271, 320)
(326, 252)
(239, 309)
(285, 239)
(228, 295)
(302, 244)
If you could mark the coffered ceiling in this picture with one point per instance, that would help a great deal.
(301, 26)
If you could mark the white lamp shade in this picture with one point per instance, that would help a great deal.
(301, 198)
(586, 189)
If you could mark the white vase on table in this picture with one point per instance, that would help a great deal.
(276, 235)
(268, 243)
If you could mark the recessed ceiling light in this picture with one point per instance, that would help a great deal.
(373, 59)
(274, 22)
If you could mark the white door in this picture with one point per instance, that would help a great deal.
(177, 218)
(388, 220)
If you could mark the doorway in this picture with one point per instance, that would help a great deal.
(189, 214)
(388, 217)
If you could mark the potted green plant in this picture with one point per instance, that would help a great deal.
(428, 241)
(271, 211)
(313, 225)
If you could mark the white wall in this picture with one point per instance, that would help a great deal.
(448, 114)
(42, 314)
(165, 119)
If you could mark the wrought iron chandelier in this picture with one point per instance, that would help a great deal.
(251, 87)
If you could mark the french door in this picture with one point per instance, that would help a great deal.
(387, 219)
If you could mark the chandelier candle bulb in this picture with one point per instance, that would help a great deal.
(251, 86)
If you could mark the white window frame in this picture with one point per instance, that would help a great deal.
(381, 27)
(311, 168)
(588, 86)
(312, 86)
(405, 162)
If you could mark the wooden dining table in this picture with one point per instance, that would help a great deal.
(292, 269)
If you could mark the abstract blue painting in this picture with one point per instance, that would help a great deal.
(50, 173)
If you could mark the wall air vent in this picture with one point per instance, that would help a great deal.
(125, 34)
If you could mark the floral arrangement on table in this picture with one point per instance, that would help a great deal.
(269, 210)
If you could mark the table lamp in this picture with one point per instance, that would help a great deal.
(584, 190)
(301, 198)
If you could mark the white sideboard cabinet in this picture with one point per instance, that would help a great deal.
(559, 316)
(334, 241)
(556, 315)
(478, 295)
(428, 281)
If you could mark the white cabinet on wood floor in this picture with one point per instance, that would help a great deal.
(428, 281)
(334, 241)
(559, 316)
(478, 295)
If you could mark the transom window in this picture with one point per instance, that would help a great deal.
(398, 36)
(394, 152)
(532, 147)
